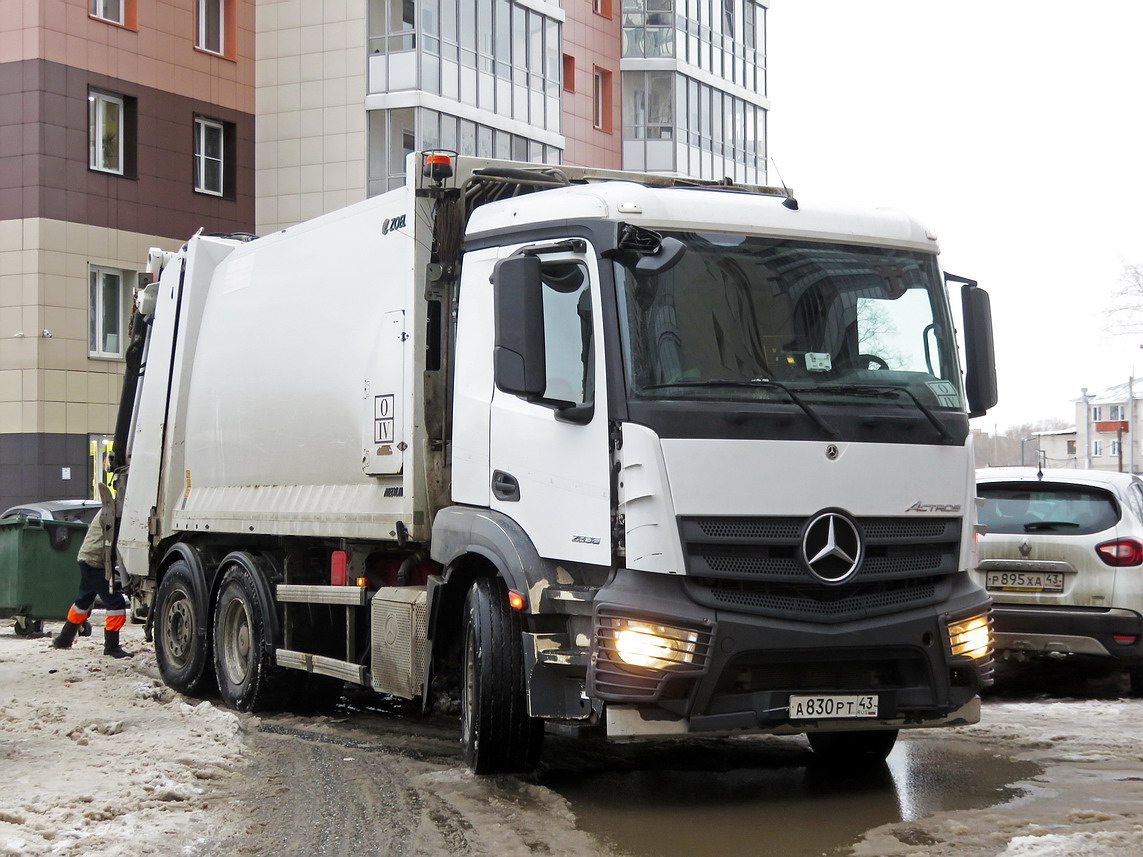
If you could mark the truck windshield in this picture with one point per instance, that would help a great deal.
(830, 322)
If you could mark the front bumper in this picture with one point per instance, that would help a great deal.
(746, 666)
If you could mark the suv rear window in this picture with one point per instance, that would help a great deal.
(1059, 509)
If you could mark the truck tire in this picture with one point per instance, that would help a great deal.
(853, 748)
(248, 677)
(182, 647)
(496, 731)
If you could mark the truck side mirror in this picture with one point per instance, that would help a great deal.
(980, 356)
(518, 357)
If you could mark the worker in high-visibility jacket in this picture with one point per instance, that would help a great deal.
(94, 581)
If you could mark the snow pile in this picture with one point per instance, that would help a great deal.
(1073, 845)
(98, 757)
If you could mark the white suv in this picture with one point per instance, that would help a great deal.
(1062, 558)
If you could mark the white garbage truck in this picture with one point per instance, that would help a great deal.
(605, 453)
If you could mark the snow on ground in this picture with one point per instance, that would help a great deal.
(98, 757)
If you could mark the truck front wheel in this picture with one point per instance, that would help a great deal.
(243, 659)
(497, 733)
(181, 642)
(853, 748)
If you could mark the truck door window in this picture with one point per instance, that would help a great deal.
(569, 350)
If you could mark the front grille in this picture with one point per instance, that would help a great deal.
(855, 602)
(754, 565)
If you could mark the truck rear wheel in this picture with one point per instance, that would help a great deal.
(497, 733)
(182, 647)
(243, 656)
(860, 748)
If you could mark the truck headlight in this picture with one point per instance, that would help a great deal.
(642, 644)
(971, 638)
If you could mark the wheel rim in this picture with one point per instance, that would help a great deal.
(178, 628)
(236, 641)
(468, 690)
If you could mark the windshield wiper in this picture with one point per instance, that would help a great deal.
(759, 382)
(883, 389)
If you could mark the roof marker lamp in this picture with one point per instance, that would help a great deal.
(437, 165)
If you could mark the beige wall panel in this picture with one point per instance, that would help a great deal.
(11, 417)
(55, 385)
(11, 385)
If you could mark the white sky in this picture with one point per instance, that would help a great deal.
(1009, 127)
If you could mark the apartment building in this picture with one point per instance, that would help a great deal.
(694, 88)
(123, 125)
(347, 88)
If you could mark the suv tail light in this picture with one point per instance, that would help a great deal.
(1121, 552)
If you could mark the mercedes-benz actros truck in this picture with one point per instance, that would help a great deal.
(618, 453)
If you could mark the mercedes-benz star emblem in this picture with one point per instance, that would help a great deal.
(831, 547)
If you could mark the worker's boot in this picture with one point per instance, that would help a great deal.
(111, 646)
(66, 636)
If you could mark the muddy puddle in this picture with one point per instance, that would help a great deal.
(764, 797)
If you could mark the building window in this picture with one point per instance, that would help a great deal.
(1097, 447)
(209, 151)
(105, 117)
(1096, 414)
(601, 7)
(210, 25)
(106, 313)
(569, 73)
(1115, 447)
(601, 107)
(1071, 447)
(107, 10)
(1115, 413)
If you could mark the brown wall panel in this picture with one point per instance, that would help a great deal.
(44, 155)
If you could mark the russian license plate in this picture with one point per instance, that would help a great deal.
(819, 707)
(1024, 581)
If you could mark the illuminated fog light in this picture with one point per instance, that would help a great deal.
(655, 646)
(971, 638)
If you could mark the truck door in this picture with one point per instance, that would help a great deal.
(548, 458)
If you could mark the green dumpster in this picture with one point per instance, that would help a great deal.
(38, 571)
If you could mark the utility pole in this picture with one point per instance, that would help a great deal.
(1086, 424)
(1131, 423)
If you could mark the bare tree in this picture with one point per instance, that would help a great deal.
(1126, 312)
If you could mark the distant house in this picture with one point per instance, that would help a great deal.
(1056, 448)
(1106, 424)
